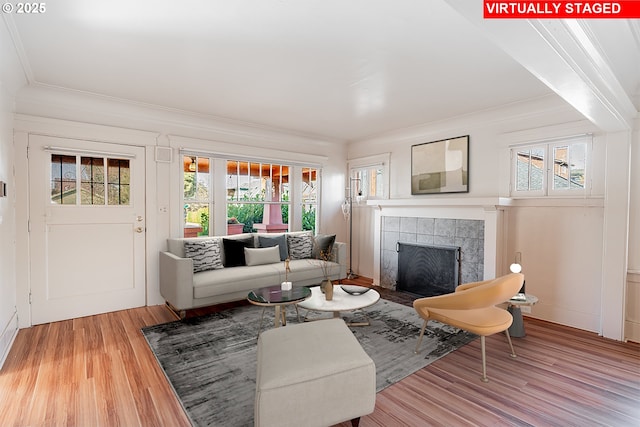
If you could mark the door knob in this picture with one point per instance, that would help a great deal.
(139, 229)
(139, 218)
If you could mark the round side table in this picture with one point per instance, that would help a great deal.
(513, 306)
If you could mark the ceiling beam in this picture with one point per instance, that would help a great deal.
(565, 55)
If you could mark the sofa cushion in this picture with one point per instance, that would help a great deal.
(259, 256)
(300, 246)
(280, 241)
(230, 280)
(234, 251)
(204, 253)
(323, 246)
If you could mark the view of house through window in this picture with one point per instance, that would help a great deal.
(70, 173)
(550, 169)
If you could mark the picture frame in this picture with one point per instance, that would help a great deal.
(441, 166)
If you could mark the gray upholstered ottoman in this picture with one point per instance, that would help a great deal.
(313, 374)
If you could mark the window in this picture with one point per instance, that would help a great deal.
(198, 197)
(257, 197)
(552, 168)
(70, 173)
(369, 177)
(309, 198)
(367, 182)
(222, 195)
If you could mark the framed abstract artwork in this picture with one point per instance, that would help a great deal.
(440, 166)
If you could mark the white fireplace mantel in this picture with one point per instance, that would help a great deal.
(488, 209)
(442, 202)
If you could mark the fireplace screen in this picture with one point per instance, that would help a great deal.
(428, 270)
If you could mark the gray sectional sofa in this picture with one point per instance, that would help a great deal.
(219, 282)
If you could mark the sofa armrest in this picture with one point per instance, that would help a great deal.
(176, 280)
(340, 256)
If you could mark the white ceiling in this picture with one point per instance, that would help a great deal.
(342, 69)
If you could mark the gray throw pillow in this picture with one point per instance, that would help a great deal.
(259, 256)
(323, 246)
(204, 253)
(269, 242)
(300, 245)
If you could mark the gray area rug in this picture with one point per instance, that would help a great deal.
(210, 361)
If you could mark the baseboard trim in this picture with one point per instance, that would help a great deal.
(7, 338)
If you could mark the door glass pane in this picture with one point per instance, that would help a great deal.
(63, 179)
(118, 176)
(92, 181)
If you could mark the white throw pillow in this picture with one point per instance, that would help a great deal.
(259, 256)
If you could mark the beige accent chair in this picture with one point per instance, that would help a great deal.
(472, 307)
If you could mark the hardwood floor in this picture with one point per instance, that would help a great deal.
(91, 371)
(99, 371)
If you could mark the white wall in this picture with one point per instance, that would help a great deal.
(632, 319)
(11, 78)
(8, 314)
(561, 240)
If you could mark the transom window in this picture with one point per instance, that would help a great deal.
(87, 174)
(552, 168)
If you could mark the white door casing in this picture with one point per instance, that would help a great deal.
(85, 259)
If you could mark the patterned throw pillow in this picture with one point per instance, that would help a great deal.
(300, 245)
(204, 253)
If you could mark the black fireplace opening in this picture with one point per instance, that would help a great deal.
(428, 270)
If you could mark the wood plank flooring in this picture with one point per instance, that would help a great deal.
(99, 371)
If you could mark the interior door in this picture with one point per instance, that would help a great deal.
(87, 228)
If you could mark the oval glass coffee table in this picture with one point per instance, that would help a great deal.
(342, 301)
(274, 296)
